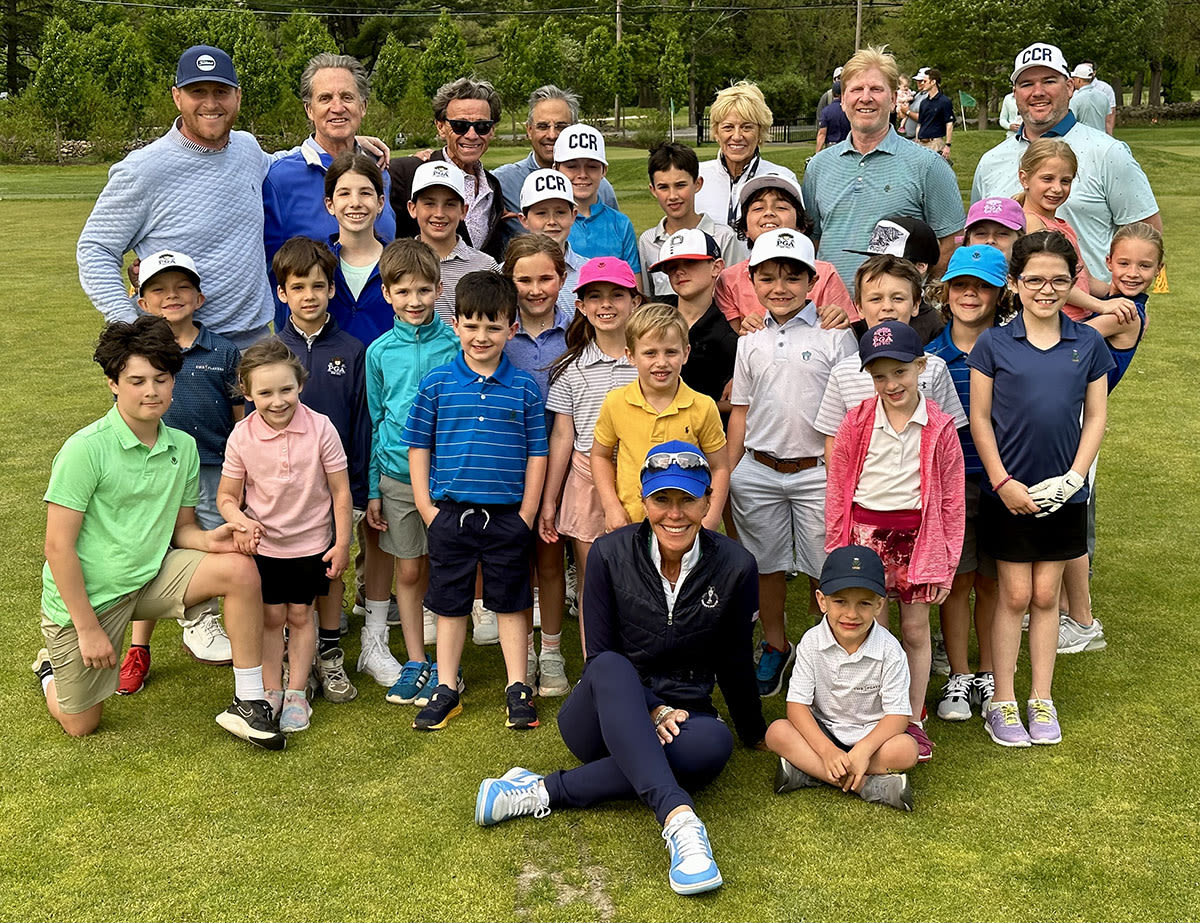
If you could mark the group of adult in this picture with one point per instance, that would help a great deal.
(211, 192)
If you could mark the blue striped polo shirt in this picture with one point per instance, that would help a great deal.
(480, 430)
(956, 362)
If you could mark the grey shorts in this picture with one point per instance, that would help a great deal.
(406, 534)
(974, 559)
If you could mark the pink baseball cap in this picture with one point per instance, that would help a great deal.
(1005, 211)
(606, 269)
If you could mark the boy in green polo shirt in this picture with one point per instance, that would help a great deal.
(122, 543)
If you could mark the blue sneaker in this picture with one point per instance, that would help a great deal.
(693, 869)
(426, 693)
(414, 675)
(516, 793)
(772, 664)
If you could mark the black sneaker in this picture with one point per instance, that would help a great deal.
(519, 704)
(443, 705)
(253, 721)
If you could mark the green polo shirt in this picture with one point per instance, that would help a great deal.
(130, 495)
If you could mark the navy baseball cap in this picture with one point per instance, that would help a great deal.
(205, 63)
(852, 566)
(676, 464)
(892, 339)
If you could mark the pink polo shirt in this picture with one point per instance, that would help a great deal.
(285, 473)
(734, 292)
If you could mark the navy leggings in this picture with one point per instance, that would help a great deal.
(606, 724)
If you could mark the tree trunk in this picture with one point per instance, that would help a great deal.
(1138, 83)
(1156, 72)
(692, 111)
(981, 111)
(1118, 90)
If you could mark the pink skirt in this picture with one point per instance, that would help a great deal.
(580, 514)
(892, 535)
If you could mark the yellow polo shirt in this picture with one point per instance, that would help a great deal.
(628, 422)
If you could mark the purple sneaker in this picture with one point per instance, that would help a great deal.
(1043, 722)
(1003, 724)
(924, 744)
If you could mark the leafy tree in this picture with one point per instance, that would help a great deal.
(21, 39)
(62, 79)
(302, 37)
(445, 57)
(394, 69)
(592, 80)
(546, 61)
(673, 71)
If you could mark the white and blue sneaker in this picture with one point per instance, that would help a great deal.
(426, 693)
(515, 794)
(693, 869)
(414, 675)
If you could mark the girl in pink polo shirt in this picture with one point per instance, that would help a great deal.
(288, 462)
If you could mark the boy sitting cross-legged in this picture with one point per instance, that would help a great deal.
(477, 449)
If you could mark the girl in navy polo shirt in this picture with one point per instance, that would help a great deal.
(1039, 395)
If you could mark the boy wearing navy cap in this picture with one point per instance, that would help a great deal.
(848, 697)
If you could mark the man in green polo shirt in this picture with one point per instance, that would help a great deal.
(122, 543)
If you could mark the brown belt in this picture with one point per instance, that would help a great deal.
(786, 465)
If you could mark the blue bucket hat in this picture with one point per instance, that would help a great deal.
(676, 464)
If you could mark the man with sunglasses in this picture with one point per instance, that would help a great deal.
(466, 112)
(551, 112)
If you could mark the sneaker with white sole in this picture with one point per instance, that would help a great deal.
(1043, 722)
(486, 629)
(983, 687)
(693, 869)
(205, 640)
(1003, 724)
(517, 793)
(552, 674)
(891, 789)
(331, 672)
(41, 665)
(296, 712)
(939, 663)
(254, 722)
(430, 627)
(955, 704)
(376, 660)
(414, 675)
(788, 778)
(1074, 638)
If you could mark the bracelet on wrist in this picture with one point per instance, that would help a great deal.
(996, 487)
(662, 714)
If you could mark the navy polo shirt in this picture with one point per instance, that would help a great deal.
(1037, 396)
(480, 431)
(956, 362)
(203, 400)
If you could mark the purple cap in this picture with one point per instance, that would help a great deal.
(1000, 209)
(606, 269)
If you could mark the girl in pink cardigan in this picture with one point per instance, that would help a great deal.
(895, 484)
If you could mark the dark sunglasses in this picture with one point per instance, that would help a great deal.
(462, 126)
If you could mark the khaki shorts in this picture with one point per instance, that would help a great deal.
(937, 145)
(405, 537)
(79, 687)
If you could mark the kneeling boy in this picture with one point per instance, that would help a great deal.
(122, 544)
(848, 699)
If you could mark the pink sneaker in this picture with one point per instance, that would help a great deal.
(924, 744)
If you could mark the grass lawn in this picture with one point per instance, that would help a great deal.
(161, 815)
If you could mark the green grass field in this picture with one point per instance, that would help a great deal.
(161, 815)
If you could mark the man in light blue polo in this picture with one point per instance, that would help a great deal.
(1110, 189)
(848, 187)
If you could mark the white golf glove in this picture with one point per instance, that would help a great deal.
(1052, 493)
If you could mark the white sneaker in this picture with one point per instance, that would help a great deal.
(531, 670)
(205, 639)
(487, 630)
(537, 610)
(552, 674)
(572, 585)
(377, 661)
(430, 627)
(1074, 638)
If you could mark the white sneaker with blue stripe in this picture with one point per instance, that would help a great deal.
(693, 869)
(516, 793)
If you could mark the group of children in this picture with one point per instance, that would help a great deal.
(467, 421)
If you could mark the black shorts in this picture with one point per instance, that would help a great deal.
(1061, 536)
(464, 536)
(292, 580)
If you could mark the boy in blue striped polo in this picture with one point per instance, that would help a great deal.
(477, 457)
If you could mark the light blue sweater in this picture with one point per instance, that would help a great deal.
(207, 204)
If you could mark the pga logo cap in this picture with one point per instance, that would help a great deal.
(439, 173)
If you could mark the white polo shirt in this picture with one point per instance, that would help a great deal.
(850, 693)
(849, 386)
(891, 474)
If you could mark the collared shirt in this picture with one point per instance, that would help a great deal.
(605, 232)
(1037, 396)
(129, 494)
(203, 401)
(781, 372)
(849, 386)
(652, 239)
(846, 192)
(479, 200)
(687, 563)
(195, 146)
(718, 197)
(850, 693)
(536, 353)
(566, 294)
(579, 392)
(480, 430)
(945, 348)
(891, 474)
(712, 350)
(462, 260)
(286, 474)
(735, 295)
(1090, 106)
(632, 426)
(1110, 188)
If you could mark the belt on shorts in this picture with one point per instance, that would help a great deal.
(786, 465)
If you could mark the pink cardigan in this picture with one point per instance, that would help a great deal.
(943, 505)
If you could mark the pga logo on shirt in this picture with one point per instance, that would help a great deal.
(337, 366)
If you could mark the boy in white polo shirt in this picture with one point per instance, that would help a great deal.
(777, 487)
(598, 230)
(848, 698)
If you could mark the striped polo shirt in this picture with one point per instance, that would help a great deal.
(462, 260)
(581, 389)
(480, 430)
(956, 364)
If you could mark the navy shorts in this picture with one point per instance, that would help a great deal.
(463, 536)
(292, 580)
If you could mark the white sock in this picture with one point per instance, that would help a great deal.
(550, 642)
(529, 641)
(46, 681)
(376, 618)
(248, 683)
(1035, 700)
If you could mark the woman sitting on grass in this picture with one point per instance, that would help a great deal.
(669, 608)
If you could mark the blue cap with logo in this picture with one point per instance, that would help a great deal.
(853, 566)
(678, 465)
(979, 261)
(205, 63)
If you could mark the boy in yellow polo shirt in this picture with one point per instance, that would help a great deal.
(656, 408)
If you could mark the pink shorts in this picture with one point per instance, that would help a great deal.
(892, 535)
(580, 514)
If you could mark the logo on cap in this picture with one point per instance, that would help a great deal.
(601, 264)
(206, 62)
(786, 242)
(856, 563)
(993, 207)
(882, 337)
(440, 170)
(977, 254)
(884, 236)
(676, 240)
